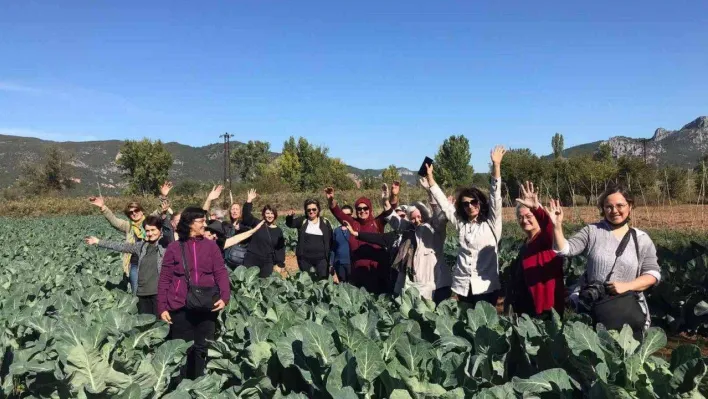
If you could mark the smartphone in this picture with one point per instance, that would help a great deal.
(422, 172)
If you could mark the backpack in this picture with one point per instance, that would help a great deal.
(235, 254)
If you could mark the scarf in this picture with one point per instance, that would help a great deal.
(137, 228)
(403, 262)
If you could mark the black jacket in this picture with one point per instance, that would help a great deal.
(300, 224)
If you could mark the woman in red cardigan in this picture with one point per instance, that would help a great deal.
(369, 262)
(536, 284)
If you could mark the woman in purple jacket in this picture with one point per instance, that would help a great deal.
(206, 268)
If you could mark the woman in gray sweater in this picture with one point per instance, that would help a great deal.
(636, 269)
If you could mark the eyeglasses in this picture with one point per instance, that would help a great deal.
(619, 207)
(528, 218)
(312, 210)
(199, 221)
(473, 202)
(134, 211)
(362, 209)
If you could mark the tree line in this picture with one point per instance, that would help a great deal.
(305, 167)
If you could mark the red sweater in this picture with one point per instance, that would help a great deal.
(543, 269)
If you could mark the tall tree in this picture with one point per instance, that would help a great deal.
(250, 159)
(558, 144)
(145, 164)
(452, 162)
(391, 174)
(306, 167)
(54, 175)
(603, 153)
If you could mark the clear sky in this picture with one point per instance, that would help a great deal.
(378, 82)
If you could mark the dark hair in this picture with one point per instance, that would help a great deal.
(153, 220)
(348, 207)
(614, 189)
(131, 205)
(189, 214)
(270, 208)
(311, 201)
(479, 195)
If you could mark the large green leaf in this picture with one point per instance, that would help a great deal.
(553, 380)
(412, 351)
(167, 360)
(688, 376)
(342, 374)
(317, 342)
(684, 354)
(369, 363)
(484, 314)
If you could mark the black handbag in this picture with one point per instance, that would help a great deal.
(614, 311)
(199, 298)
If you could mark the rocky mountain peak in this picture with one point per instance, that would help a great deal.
(700, 123)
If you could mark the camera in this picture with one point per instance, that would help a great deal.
(590, 294)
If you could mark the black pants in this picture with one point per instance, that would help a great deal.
(198, 327)
(441, 294)
(148, 305)
(318, 265)
(265, 265)
(343, 272)
(490, 297)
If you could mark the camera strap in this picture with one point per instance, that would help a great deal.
(631, 233)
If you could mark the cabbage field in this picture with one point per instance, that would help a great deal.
(70, 329)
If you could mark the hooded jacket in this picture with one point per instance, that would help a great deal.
(370, 263)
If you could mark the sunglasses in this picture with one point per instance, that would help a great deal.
(473, 202)
(312, 210)
(362, 209)
(133, 211)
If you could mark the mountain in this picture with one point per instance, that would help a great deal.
(95, 162)
(683, 147)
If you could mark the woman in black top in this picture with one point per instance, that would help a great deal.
(314, 240)
(267, 247)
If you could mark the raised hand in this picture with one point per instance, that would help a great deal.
(165, 206)
(451, 200)
(384, 191)
(351, 229)
(497, 154)
(429, 174)
(165, 188)
(251, 195)
(97, 201)
(215, 193)
(529, 196)
(395, 188)
(291, 213)
(555, 212)
(329, 193)
(91, 240)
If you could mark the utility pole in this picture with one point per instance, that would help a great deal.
(227, 164)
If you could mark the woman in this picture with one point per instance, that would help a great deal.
(635, 269)
(370, 263)
(150, 253)
(314, 239)
(536, 284)
(133, 229)
(266, 249)
(206, 269)
(478, 220)
(419, 258)
(235, 255)
(340, 257)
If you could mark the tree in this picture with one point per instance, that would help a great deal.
(603, 153)
(452, 162)
(390, 174)
(305, 167)
(634, 174)
(701, 174)
(146, 165)
(675, 182)
(54, 175)
(250, 159)
(518, 166)
(369, 181)
(558, 144)
(191, 188)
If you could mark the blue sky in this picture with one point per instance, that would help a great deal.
(377, 82)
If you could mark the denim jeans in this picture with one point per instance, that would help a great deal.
(133, 279)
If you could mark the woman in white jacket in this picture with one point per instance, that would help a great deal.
(478, 220)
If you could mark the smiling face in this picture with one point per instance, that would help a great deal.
(235, 212)
(196, 229)
(152, 233)
(175, 220)
(269, 216)
(616, 209)
(471, 206)
(135, 214)
(527, 221)
(362, 211)
(312, 212)
(416, 218)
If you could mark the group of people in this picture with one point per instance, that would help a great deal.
(172, 258)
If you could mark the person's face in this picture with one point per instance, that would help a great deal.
(362, 211)
(401, 214)
(152, 233)
(471, 206)
(312, 211)
(196, 229)
(269, 216)
(209, 235)
(135, 214)
(175, 220)
(235, 211)
(527, 220)
(416, 218)
(616, 208)
(212, 216)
